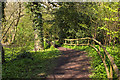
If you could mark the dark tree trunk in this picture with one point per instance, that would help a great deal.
(1, 16)
(38, 26)
(2, 53)
(61, 36)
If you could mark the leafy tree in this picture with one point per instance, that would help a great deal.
(35, 8)
(71, 22)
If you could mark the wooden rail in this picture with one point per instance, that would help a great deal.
(113, 66)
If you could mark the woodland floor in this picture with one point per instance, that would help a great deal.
(71, 64)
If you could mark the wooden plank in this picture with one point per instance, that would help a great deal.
(77, 39)
(74, 39)
(76, 44)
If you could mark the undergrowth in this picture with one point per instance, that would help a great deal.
(29, 64)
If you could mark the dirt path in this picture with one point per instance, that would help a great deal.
(71, 64)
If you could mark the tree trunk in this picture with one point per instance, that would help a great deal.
(36, 47)
(113, 42)
(40, 36)
(110, 40)
(19, 14)
(119, 22)
(2, 53)
(61, 36)
(95, 33)
(38, 24)
(105, 43)
(1, 16)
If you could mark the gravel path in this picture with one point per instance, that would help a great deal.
(71, 64)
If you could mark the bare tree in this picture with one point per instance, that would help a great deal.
(13, 13)
(10, 17)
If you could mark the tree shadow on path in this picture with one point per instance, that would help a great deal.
(71, 64)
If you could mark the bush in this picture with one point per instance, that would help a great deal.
(24, 54)
(57, 43)
(46, 45)
(52, 47)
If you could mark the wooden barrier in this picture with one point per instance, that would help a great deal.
(113, 66)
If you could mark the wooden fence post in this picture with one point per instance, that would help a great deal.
(88, 41)
(70, 43)
(65, 42)
(77, 42)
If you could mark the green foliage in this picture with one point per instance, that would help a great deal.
(24, 54)
(14, 52)
(69, 20)
(57, 43)
(25, 33)
(52, 47)
(46, 45)
(42, 63)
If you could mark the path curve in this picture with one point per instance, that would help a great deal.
(71, 64)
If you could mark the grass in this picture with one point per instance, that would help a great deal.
(37, 65)
(97, 65)
(40, 64)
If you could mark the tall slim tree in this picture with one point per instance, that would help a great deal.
(37, 21)
(1, 16)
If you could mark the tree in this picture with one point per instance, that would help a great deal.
(71, 21)
(1, 16)
(12, 15)
(37, 24)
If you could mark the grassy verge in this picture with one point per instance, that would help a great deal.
(34, 65)
(98, 69)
